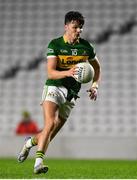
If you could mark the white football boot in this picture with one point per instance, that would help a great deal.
(24, 152)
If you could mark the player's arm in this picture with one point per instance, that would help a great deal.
(53, 73)
(96, 65)
(94, 87)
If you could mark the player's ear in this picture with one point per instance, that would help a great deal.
(65, 27)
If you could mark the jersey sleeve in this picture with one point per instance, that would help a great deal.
(51, 49)
(92, 52)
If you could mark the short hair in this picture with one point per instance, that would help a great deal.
(74, 16)
(25, 114)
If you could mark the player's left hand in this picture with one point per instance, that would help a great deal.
(93, 93)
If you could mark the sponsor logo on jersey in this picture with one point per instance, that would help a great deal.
(70, 61)
(63, 51)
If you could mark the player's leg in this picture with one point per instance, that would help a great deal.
(32, 141)
(58, 125)
(64, 112)
(59, 120)
(50, 115)
(55, 117)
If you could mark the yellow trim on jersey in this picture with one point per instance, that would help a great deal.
(66, 39)
(66, 62)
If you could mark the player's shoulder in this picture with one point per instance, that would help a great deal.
(86, 42)
(54, 45)
(57, 40)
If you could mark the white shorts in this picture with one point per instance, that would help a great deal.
(58, 95)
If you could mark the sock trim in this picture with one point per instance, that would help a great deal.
(33, 142)
(40, 154)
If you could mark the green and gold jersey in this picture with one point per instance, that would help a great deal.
(68, 55)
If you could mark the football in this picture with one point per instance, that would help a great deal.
(84, 73)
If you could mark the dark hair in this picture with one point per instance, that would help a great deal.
(74, 16)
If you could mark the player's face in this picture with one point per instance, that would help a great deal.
(73, 30)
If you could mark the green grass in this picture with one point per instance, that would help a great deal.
(70, 169)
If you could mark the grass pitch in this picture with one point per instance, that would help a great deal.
(70, 169)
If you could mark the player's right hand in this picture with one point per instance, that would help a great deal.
(71, 72)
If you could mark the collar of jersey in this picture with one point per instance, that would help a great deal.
(66, 40)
